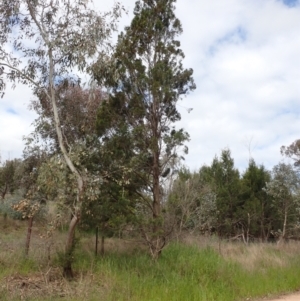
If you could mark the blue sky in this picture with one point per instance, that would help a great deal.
(245, 56)
(291, 3)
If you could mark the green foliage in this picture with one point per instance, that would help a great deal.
(146, 80)
(9, 176)
(225, 180)
(193, 202)
(284, 188)
(6, 206)
(16, 207)
(112, 209)
(77, 109)
(259, 216)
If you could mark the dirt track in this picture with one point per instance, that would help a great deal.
(292, 297)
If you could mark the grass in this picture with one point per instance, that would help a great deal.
(187, 273)
(197, 269)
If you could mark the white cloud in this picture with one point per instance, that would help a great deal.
(15, 121)
(245, 56)
(248, 86)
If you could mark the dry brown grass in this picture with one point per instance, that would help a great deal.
(12, 242)
(252, 256)
(46, 281)
(51, 284)
(112, 245)
(20, 282)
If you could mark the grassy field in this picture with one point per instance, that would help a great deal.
(197, 269)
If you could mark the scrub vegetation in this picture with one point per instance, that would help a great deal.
(194, 268)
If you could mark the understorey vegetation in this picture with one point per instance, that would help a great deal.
(195, 267)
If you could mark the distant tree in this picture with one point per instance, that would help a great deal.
(224, 178)
(285, 191)
(28, 209)
(24, 174)
(147, 82)
(192, 202)
(257, 212)
(292, 151)
(50, 39)
(8, 180)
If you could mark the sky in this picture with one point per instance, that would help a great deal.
(246, 60)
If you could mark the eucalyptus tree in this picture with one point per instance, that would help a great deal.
(43, 42)
(147, 82)
(8, 179)
(193, 202)
(284, 188)
(292, 151)
(76, 108)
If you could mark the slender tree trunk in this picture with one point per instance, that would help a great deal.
(284, 225)
(156, 240)
(248, 228)
(156, 188)
(29, 230)
(268, 232)
(262, 226)
(102, 245)
(70, 239)
(96, 242)
(68, 272)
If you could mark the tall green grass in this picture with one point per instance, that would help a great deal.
(184, 272)
(189, 273)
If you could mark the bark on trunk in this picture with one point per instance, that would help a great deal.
(283, 234)
(156, 245)
(102, 245)
(262, 226)
(68, 272)
(70, 239)
(156, 188)
(284, 227)
(96, 242)
(284, 224)
(29, 230)
(248, 229)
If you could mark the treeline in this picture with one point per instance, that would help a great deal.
(257, 205)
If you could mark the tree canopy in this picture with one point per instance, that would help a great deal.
(147, 81)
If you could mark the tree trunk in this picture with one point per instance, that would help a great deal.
(68, 272)
(156, 244)
(102, 245)
(29, 229)
(96, 242)
(248, 228)
(262, 225)
(156, 188)
(284, 226)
